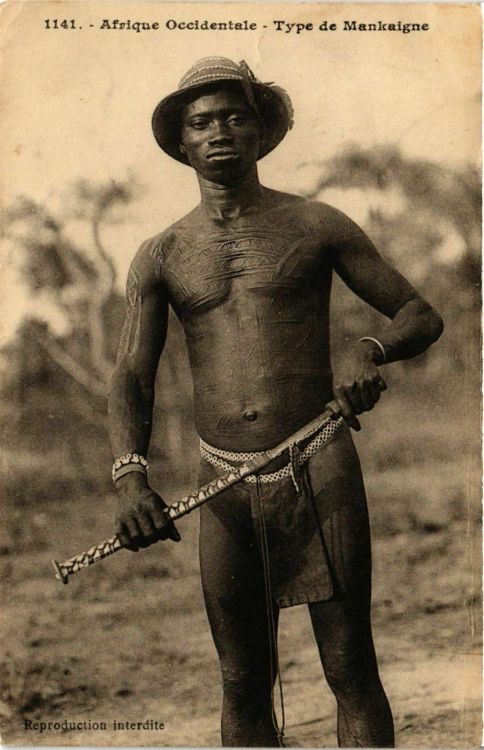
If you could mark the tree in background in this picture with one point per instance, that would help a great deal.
(79, 285)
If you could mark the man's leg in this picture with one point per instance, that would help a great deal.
(233, 586)
(342, 625)
(348, 657)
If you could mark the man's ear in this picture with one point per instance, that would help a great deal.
(182, 148)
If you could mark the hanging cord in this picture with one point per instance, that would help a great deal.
(271, 624)
(294, 466)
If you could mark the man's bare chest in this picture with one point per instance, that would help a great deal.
(204, 269)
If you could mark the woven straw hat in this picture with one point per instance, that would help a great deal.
(271, 103)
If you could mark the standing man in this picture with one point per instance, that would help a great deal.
(248, 273)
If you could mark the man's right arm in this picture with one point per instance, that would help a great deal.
(140, 518)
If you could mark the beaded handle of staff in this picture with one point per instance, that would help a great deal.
(199, 497)
(176, 510)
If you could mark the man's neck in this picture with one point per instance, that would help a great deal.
(230, 201)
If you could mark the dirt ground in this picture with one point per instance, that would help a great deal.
(128, 639)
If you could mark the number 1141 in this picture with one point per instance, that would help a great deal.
(55, 23)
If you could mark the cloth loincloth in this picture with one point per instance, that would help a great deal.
(312, 517)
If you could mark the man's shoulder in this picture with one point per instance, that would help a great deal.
(163, 239)
(325, 214)
(158, 247)
(308, 208)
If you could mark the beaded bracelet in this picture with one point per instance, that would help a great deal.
(127, 463)
(379, 345)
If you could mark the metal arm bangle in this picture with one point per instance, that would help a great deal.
(379, 345)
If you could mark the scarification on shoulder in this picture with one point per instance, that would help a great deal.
(157, 253)
(132, 285)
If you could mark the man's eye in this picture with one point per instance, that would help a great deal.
(198, 124)
(236, 120)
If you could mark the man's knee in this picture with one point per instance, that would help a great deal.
(347, 673)
(244, 687)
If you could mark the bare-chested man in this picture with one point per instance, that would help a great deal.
(248, 273)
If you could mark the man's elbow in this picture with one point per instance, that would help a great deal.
(431, 325)
(435, 325)
(126, 381)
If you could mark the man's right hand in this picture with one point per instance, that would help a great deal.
(140, 517)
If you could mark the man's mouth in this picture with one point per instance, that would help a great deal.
(223, 154)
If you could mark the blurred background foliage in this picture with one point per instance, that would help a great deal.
(424, 218)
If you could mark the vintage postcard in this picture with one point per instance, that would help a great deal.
(240, 362)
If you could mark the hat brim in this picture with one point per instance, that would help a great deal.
(166, 120)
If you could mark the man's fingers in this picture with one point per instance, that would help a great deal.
(174, 533)
(160, 519)
(126, 537)
(347, 411)
(368, 396)
(164, 527)
(375, 393)
(146, 525)
(147, 529)
(169, 531)
(355, 397)
(381, 383)
(354, 423)
(134, 533)
(370, 392)
(123, 536)
(375, 389)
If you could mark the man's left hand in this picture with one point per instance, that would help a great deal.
(360, 386)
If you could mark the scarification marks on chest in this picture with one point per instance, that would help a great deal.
(218, 261)
(201, 272)
(262, 244)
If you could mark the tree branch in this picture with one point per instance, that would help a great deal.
(106, 260)
(67, 363)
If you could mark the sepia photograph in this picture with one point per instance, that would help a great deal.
(240, 357)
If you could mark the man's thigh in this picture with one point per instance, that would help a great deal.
(340, 504)
(233, 580)
(342, 624)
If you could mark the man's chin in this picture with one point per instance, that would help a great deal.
(224, 171)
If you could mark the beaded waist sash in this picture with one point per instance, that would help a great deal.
(297, 458)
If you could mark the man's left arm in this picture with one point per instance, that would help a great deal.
(415, 325)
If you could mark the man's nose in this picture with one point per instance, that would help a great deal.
(219, 133)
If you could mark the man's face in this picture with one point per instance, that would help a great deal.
(221, 136)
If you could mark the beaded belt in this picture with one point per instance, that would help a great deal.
(220, 458)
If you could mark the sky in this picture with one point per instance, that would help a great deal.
(78, 102)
